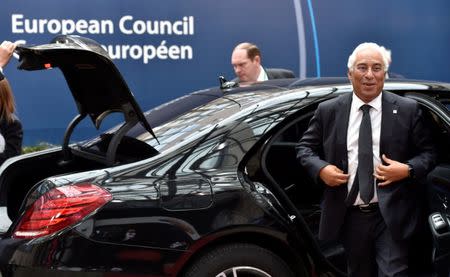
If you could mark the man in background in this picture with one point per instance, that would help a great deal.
(246, 61)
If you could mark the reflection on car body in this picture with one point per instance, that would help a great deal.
(205, 185)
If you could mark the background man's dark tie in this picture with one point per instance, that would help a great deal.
(364, 173)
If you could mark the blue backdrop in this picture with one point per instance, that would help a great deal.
(166, 49)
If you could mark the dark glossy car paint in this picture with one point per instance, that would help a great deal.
(217, 168)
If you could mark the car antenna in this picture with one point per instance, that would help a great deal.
(224, 84)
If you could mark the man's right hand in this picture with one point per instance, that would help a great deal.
(333, 176)
(6, 52)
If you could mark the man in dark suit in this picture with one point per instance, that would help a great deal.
(6, 51)
(374, 222)
(246, 61)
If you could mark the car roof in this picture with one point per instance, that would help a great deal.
(259, 90)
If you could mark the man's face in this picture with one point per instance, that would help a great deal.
(367, 75)
(246, 70)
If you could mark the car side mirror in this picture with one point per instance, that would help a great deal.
(224, 84)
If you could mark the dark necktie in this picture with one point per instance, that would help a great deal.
(365, 157)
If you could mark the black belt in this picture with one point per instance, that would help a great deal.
(366, 208)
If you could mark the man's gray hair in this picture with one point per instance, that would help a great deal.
(368, 45)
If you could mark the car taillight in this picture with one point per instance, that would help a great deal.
(60, 208)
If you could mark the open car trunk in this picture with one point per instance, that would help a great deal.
(98, 90)
(21, 175)
(18, 178)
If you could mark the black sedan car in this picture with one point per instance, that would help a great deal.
(205, 185)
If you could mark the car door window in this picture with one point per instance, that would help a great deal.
(282, 164)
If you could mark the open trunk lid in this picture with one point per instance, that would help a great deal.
(96, 84)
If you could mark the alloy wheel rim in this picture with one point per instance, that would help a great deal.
(243, 271)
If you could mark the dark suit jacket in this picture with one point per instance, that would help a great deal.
(13, 134)
(2, 76)
(404, 138)
(279, 73)
(274, 73)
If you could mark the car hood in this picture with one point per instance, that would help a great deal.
(96, 84)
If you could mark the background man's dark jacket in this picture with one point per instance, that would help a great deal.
(274, 73)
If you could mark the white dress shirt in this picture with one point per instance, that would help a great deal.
(2, 143)
(353, 135)
(262, 75)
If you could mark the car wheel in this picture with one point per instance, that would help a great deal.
(239, 260)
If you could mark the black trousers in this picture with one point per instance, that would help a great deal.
(371, 250)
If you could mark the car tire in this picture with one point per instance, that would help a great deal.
(239, 259)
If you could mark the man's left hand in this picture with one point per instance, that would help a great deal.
(392, 172)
